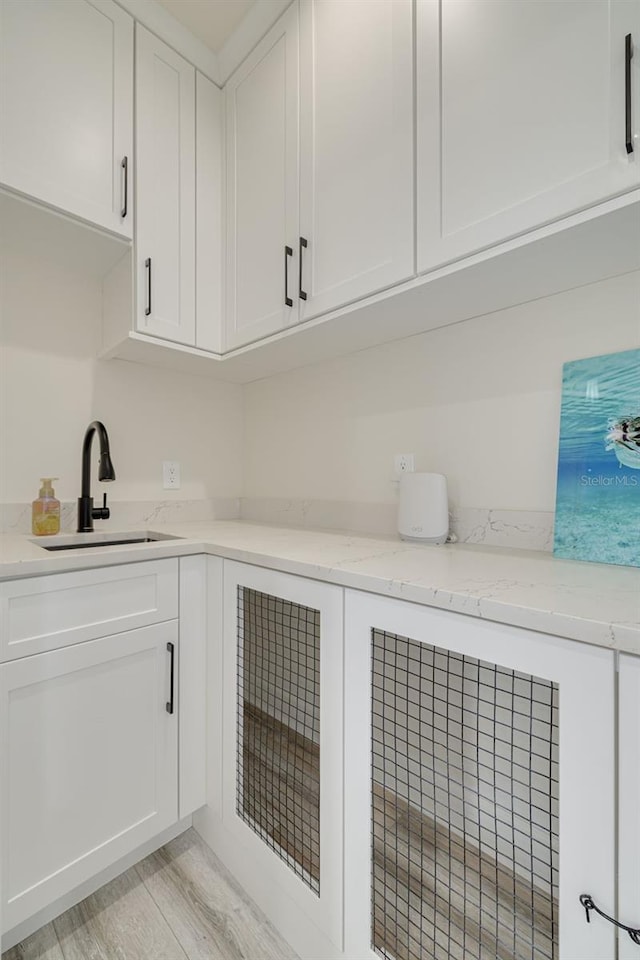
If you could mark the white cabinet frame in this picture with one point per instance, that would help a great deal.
(269, 874)
(210, 219)
(628, 803)
(585, 676)
(192, 685)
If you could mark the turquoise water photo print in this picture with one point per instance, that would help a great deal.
(598, 488)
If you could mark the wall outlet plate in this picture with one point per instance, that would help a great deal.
(402, 463)
(171, 474)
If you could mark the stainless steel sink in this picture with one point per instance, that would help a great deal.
(85, 541)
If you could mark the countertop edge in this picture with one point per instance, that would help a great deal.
(617, 636)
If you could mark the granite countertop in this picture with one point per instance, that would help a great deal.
(593, 603)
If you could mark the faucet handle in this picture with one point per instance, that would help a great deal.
(103, 512)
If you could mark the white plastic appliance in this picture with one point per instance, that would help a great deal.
(423, 507)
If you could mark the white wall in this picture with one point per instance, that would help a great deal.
(478, 401)
(51, 387)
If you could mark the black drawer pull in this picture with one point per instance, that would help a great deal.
(147, 266)
(172, 651)
(589, 905)
(303, 246)
(628, 54)
(288, 252)
(125, 186)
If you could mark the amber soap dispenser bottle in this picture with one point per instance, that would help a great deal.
(45, 511)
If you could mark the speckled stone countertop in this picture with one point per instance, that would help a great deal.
(593, 603)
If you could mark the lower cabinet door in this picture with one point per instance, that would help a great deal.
(629, 804)
(282, 750)
(88, 756)
(479, 768)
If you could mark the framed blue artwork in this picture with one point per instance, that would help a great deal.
(598, 490)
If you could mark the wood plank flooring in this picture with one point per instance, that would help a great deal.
(281, 787)
(180, 903)
(441, 897)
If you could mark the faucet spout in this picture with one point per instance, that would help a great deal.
(87, 513)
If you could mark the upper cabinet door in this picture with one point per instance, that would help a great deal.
(166, 206)
(356, 150)
(66, 107)
(209, 218)
(521, 116)
(262, 187)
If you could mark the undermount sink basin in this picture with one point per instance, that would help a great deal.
(84, 541)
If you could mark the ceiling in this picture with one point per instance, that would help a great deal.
(212, 21)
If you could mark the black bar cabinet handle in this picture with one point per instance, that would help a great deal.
(125, 187)
(628, 54)
(303, 246)
(288, 252)
(171, 651)
(587, 902)
(147, 266)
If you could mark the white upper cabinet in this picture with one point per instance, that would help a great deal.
(356, 150)
(165, 211)
(262, 187)
(209, 219)
(66, 107)
(299, 245)
(522, 116)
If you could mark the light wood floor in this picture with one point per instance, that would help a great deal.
(439, 897)
(180, 903)
(281, 787)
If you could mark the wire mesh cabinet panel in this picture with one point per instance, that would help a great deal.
(283, 741)
(479, 793)
(628, 804)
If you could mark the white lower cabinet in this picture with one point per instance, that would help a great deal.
(89, 761)
(383, 778)
(479, 787)
(282, 789)
(628, 805)
(102, 723)
(38, 614)
(405, 782)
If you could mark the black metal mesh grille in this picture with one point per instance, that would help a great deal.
(464, 807)
(278, 789)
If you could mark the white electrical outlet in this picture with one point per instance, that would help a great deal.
(171, 474)
(402, 463)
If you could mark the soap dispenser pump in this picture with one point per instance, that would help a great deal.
(45, 511)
